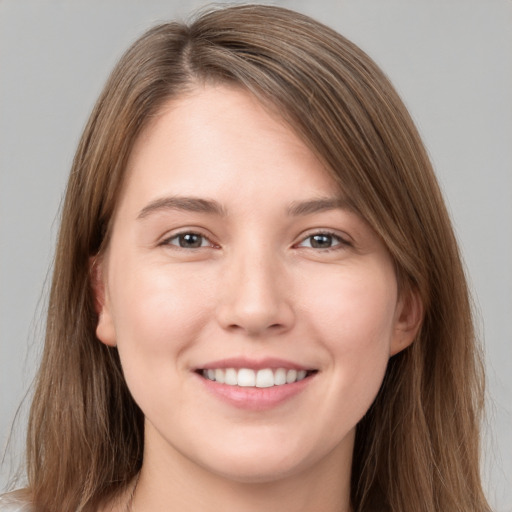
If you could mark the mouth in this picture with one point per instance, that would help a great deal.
(255, 384)
(261, 378)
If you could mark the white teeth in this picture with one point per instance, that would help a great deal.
(265, 378)
(231, 377)
(219, 376)
(280, 377)
(246, 377)
(291, 376)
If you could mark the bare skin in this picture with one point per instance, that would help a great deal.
(233, 252)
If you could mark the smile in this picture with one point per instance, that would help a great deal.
(263, 378)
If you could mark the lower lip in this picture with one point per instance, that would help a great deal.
(256, 399)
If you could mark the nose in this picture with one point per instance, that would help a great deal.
(255, 297)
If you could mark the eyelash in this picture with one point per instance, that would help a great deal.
(176, 236)
(341, 242)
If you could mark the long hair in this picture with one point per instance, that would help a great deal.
(417, 448)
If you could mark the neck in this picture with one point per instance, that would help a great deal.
(173, 482)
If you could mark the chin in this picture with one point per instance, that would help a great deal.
(260, 471)
(260, 464)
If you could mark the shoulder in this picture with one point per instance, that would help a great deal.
(12, 502)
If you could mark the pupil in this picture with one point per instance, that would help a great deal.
(321, 241)
(189, 240)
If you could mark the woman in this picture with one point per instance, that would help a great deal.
(258, 301)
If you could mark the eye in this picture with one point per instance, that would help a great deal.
(189, 240)
(322, 241)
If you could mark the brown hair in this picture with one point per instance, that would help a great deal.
(417, 448)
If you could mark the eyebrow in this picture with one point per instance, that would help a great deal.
(299, 208)
(210, 206)
(189, 204)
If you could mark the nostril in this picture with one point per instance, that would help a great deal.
(253, 309)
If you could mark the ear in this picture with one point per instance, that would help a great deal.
(105, 330)
(408, 319)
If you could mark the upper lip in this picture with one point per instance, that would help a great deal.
(253, 364)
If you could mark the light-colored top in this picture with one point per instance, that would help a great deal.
(11, 503)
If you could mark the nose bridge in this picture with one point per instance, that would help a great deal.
(254, 296)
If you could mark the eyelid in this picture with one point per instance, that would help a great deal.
(343, 239)
(165, 241)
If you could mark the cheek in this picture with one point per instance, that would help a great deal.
(354, 316)
(157, 314)
(354, 302)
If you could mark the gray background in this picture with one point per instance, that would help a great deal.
(450, 59)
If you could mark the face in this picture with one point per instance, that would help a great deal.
(253, 311)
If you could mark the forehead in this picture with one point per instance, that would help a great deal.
(221, 139)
